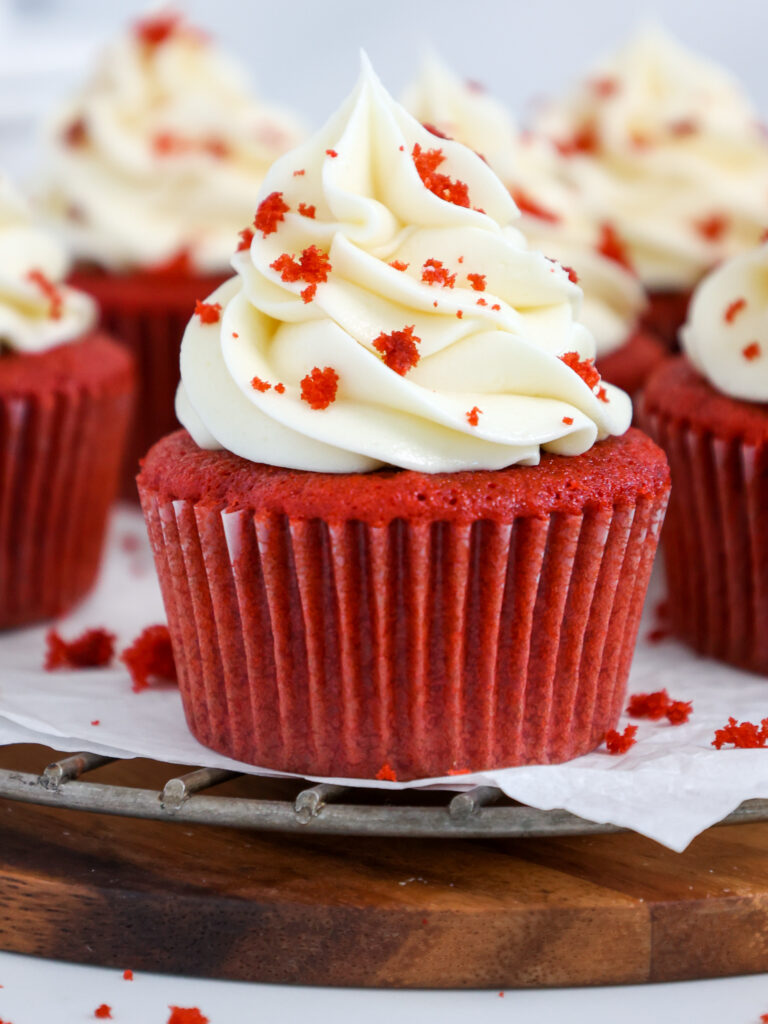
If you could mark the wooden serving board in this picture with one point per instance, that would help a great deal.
(220, 903)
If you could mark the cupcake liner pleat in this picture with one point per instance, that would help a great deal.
(420, 648)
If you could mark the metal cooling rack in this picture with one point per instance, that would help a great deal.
(322, 809)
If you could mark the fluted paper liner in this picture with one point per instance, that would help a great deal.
(338, 648)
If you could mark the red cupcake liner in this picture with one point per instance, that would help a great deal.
(716, 542)
(337, 648)
(61, 447)
(665, 314)
(148, 313)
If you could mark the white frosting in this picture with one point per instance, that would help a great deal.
(32, 267)
(372, 208)
(531, 167)
(726, 335)
(162, 152)
(677, 160)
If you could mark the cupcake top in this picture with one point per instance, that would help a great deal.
(159, 156)
(726, 334)
(557, 217)
(670, 148)
(385, 312)
(37, 312)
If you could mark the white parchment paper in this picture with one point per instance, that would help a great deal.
(670, 786)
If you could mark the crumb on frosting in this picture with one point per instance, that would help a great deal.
(398, 349)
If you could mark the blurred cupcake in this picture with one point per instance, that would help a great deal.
(405, 533)
(669, 149)
(555, 217)
(709, 410)
(65, 401)
(152, 171)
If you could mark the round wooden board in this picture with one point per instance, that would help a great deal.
(220, 903)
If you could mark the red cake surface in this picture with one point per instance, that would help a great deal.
(665, 315)
(630, 366)
(403, 625)
(96, 363)
(716, 535)
(147, 311)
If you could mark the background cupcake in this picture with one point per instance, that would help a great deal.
(151, 174)
(709, 410)
(65, 398)
(406, 533)
(556, 217)
(669, 150)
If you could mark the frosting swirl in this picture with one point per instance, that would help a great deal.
(386, 312)
(161, 153)
(726, 334)
(556, 216)
(666, 145)
(37, 312)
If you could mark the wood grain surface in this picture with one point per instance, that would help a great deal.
(221, 903)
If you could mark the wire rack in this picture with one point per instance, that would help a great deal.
(322, 809)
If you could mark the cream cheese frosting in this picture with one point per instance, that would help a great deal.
(557, 217)
(387, 312)
(161, 153)
(726, 334)
(37, 311)
(667, 146)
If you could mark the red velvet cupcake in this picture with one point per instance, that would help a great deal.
(709, 411)
(151, 203)
(405, 533)
(65, 400)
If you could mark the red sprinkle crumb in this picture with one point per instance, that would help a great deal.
(398, 349)
(481, 302)
(150, 656)
(602, 395)
(441, 185)
(611, 246)
(50, 291)
(751, 351)
(307, 211)
(659, 705)
(127, 974)
(280, 388)
(496, 306)
(585, 368)
(246, 237)
(235, 334)
(527, 204)
(460, 313)
(433, 272)
(96, 721)
(572, 275)
(399, 265)
(582, 141)
(319, 387)
(620, 742)
(190, 1015)
(312, 266)
(477, 281)
(298, 174)
(679, 711)
(733, 310)
(473, 416)
(568, 420)
(435, 303)
(460, 259)
(158, 29)
(712, 228)
(103, 1012)
(260, 385)
(94, 648)
(385, 774)
(331, 153)
(76, 132)
(269, 213)
(745, 736)
(209, 312)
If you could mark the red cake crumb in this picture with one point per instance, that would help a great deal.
(744, 736)
(477, 281)
(751, 351)
(602, 395)
(585, 368)
(308, 293)
(679, 711)
(433, 272)
(481, 302)
(331, 153)
(764, 1018)
(312, 266)
(441, 185)
(280, 388)
(157, 29)
(473, 416)
(620, 742)
(398, 349)
(496, 306)
(568, 420)
(733, 310)
(246, 237)
(399, 265)
(527, 204)
(649, 705)
(96, 721)
(460, 259)
(103, 1012)
(269, 214)
(209, 312)
(298, 174)
(191, 1015)
(75, 133)
(235, 334)
(94, 648)
(712, 228)
(127, 974)
(604, 87)
(50, 291)
(611, 246)
(260, 385)
(307, 210)
(459, 313)
(584, 140)
(572, 275)
(150, 656)
(319, 387)
(385, 774)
